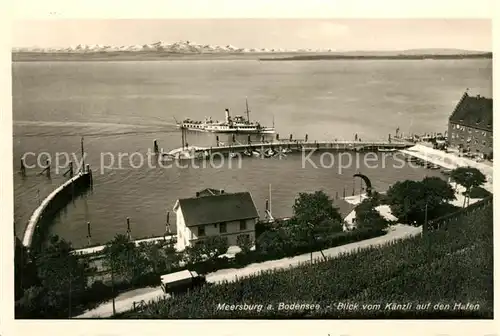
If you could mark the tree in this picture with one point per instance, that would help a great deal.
(244, 243)
(314, 209)
(209, 248)
(122, 258)
(214, 246)
(25, 274)
(273, 242)
(411, 200)
(62, 282)
(469, 178)
(368, 217)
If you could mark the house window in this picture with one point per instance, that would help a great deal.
(201, 231)
(243, 225)
(222, 228)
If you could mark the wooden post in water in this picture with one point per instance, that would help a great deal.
(128, 228)
(89, 171)
(48, 168)
(89, 236)
(155, 147)
(23, 168)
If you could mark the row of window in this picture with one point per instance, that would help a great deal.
(240, 238)
(462, 128)
(222, 228)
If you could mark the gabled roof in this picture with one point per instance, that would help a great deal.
(475, 112)
(209, 192)
(343, 207)
(217, 209)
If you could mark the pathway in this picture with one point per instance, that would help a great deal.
(126, 300)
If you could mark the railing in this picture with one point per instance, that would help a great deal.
(444, 221)
(139, 306)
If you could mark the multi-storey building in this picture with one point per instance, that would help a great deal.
(215, 213)
(470, 127)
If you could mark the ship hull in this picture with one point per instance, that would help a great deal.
(229, 130)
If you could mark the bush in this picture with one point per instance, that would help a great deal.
(479, 192)
(367, 217)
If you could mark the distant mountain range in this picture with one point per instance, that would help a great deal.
(187, 47)
(181, 47)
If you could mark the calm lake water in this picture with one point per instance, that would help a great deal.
(121, 107)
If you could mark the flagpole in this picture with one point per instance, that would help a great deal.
(83, 157)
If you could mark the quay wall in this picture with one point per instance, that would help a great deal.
(298, 145)
(43, 215)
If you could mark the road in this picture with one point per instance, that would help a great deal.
(125, 301)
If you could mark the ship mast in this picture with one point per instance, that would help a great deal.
(248, 111)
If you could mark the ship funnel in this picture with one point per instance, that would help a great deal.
(227, 115)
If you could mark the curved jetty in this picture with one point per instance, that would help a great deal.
(53, 203)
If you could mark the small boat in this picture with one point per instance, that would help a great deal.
(233, 155)
(256, 153)
(204, 155)
(247, 152)
(286, 150)
(269, 153)
(167, 157)
(387, 150)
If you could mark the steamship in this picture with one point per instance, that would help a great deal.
(236, 124)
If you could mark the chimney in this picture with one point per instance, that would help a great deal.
(227, 115)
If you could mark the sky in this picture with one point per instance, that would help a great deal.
(338, 34)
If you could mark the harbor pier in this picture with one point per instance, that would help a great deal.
(286, 146)
(52, 204)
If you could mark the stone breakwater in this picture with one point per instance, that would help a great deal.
(51, 205)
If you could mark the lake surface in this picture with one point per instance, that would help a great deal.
(121, 107)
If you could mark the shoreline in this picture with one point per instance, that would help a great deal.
(18, 57)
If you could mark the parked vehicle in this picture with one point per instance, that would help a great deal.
(181, 281)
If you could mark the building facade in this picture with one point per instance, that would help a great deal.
(470, 127)
(215, 213)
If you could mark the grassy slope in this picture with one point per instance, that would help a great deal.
(450, 266)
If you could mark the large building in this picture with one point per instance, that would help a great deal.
(215, 213)
(470, 127)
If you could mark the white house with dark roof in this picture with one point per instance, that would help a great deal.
(215, 213)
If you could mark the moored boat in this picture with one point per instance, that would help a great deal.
(236, 124)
